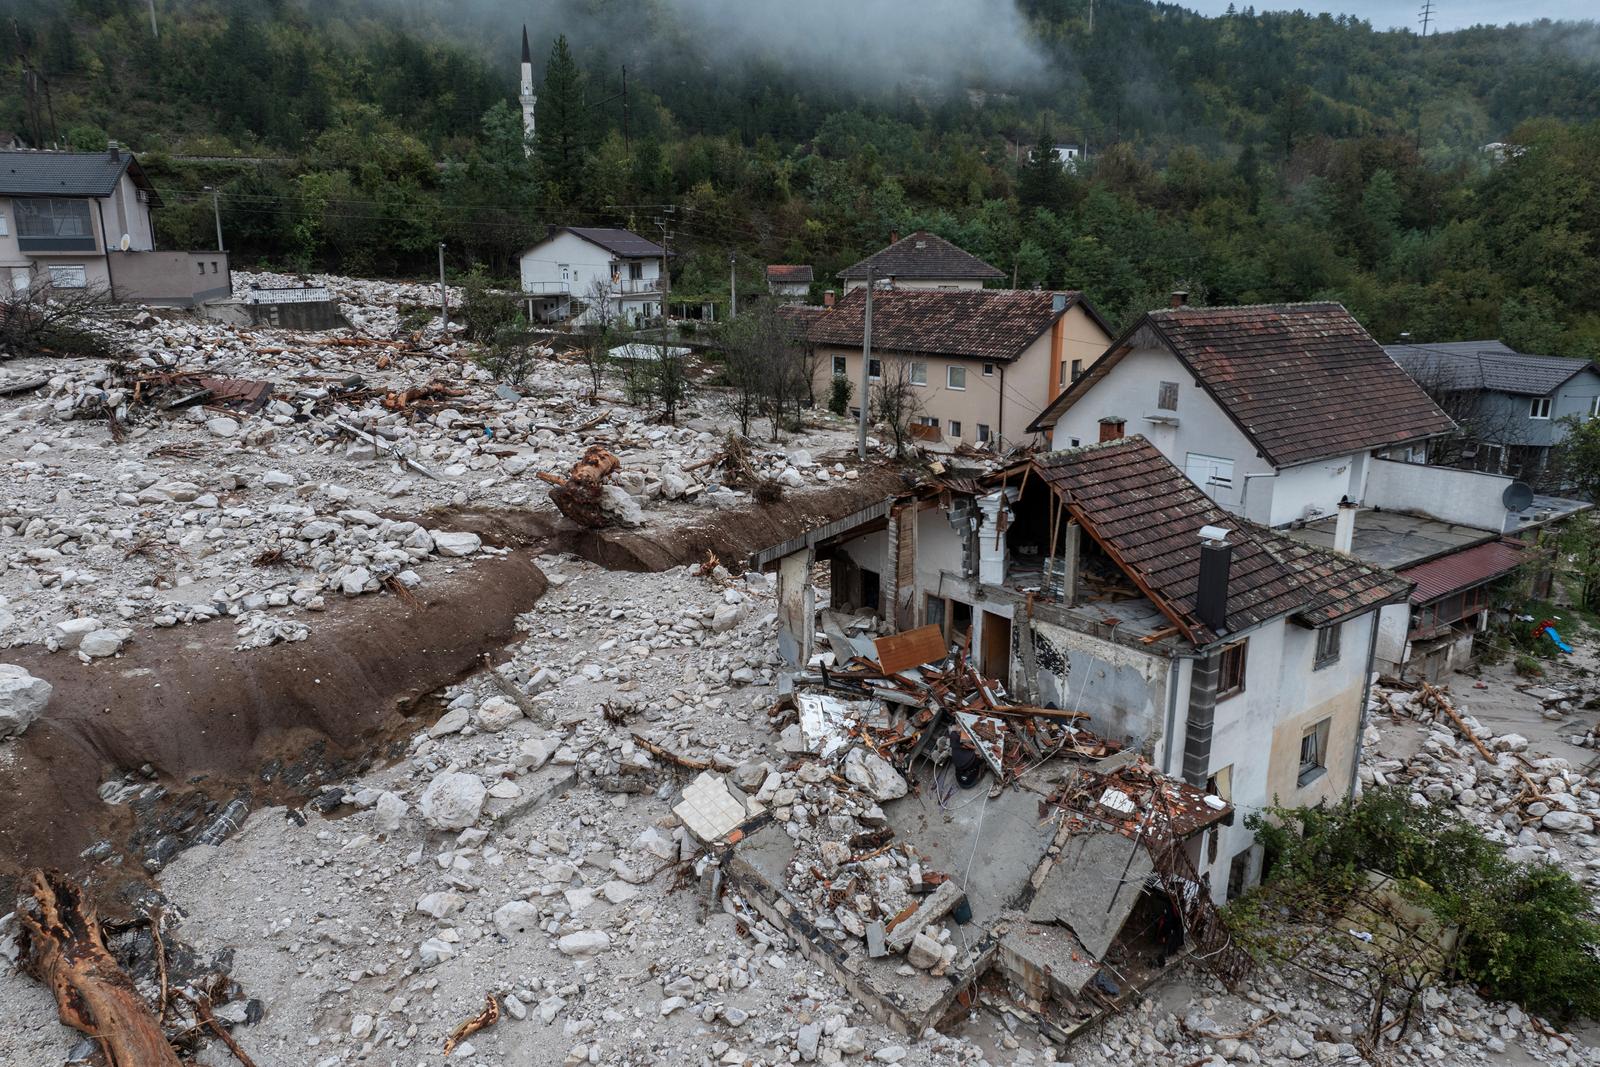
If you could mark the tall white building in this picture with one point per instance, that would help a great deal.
(528, 97)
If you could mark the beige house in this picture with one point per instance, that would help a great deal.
(922, 261)
(983, 363)
(81, 220)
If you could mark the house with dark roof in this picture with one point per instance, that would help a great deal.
(922, 261)
(980, 363)
(81, 220)
(790, 281)
(585, 273)
(1102, 581)
(1513, 408)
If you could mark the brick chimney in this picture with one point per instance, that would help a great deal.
(1111, 427)
(1179, 298)
(827, 298)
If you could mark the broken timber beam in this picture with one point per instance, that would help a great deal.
(64, 948)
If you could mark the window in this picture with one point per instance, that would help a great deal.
(45, 224)
(3, 230)
(1230, 678)
(955, 377)
(1077, 369)
(200, 267)
(919, 374)
(1327, 647)
(1211, 473)
(1314, 752)
(1073, 442)
(874, 369)
(213, 266)
(1220, 784)
(925, 420)
(566, 271)
(1167, 398)
(840, 370)
(988, 368)
(955, 427)
(1539, 408)
(983, 433)
(635, 271)
(1239, 871)
(1594, 405)
(68, 276)
(933, 612)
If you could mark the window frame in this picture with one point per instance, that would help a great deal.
(874, 375)
(1324, 656)
(1077, 369)
(918, 366)
(841, 367)
(988, 371)
(83, 275)
(1227, 685)
(984, 433)
(1594, 408)
(950, 373)
(1317, 766)
(1538, 404)
(954, 428)
(1167, 396)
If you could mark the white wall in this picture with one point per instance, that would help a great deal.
(1466, 497)
(1313, 490)
(586, 263)
(1394, 623)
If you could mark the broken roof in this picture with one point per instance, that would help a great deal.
(996, 325)
(31, 172)
(1301, 381)
(923, 255)
(1490, 365)
(1467, 569)
(1147, 517)
(624, 243)
(789, 273)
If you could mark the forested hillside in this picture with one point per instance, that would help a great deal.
(1246, 158)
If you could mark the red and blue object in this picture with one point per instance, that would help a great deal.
(1548, 628)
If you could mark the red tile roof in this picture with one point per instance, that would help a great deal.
(1147, 516)
(1302, 381)
(989, 324)
(1470, 567)
(789, 273)
(924, 255)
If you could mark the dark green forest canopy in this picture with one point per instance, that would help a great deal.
(1246, 158)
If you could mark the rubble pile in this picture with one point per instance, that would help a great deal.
(1542, 808)
(221, 471)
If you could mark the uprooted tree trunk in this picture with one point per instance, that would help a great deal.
(64, 947)
(579, 495)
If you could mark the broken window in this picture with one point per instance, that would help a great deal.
(933, 612)
(1220, 784)
(1230, 678)
(1167, 398)
(1327, 647)
(1239, 872)
(1314, 752)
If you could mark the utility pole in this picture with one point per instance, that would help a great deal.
(666, 276)
(1091, 18)
(627, 145)
(866, 366)
(1426, 15)
(733, 284)
(154, 32)
(216, 212)
(444, 294)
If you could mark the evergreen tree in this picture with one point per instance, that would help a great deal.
(1039, 183)
(561, 123)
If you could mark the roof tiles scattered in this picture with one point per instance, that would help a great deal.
(989, 324)
(924, 255)
(1147, 515)
(1490, 365)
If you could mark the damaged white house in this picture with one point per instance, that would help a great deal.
(1293, 416)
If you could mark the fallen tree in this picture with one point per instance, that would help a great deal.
(64, 947)
(579, 495)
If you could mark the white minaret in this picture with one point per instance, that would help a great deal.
(529, 98)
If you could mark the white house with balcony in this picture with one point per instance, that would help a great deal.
(81, 220)
(581, 274)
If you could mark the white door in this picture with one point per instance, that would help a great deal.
(1214, 474)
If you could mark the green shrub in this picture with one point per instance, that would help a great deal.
(839, 395)
(1528, 666)
(1527, 934)
(484, 311)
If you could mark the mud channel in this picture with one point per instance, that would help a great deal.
(200, 734)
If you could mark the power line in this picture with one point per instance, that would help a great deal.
(1426, 15)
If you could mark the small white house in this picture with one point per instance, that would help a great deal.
(1069, 156)
(578, 270)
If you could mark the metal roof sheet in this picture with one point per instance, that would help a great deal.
(1470, 567)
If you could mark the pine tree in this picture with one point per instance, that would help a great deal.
(1039, 183)
(561, 122)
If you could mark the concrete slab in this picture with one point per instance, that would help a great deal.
(1046, 962)
(1395, 538)
(1093, 888)
(536, 787)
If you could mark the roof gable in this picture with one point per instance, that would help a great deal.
(923, 255)
(1302, 381)
(622, 243)
(1147, 516)
(988, 324)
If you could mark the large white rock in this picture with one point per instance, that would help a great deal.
(453, 800)
(497, 713)
(516, 918)
(623, 509)
(71, 632)
(22, 699)
(441, 904)
(389, 813)
(1567, 822)
(102, 643)
(874, 775)
(451, 543)
(584, 942)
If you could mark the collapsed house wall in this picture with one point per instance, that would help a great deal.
(1123, 690)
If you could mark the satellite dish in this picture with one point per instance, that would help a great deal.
(1517, 496)
(126, 243)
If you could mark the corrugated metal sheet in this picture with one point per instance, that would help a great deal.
(1470, 567)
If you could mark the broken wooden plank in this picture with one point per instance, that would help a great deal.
(899, 652)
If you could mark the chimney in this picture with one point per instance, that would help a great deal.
(1111, 427)
(1058, 302)
(1344, 527)
(1216, 559)
(1179, 298)
(827, 298)
(113, 149)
